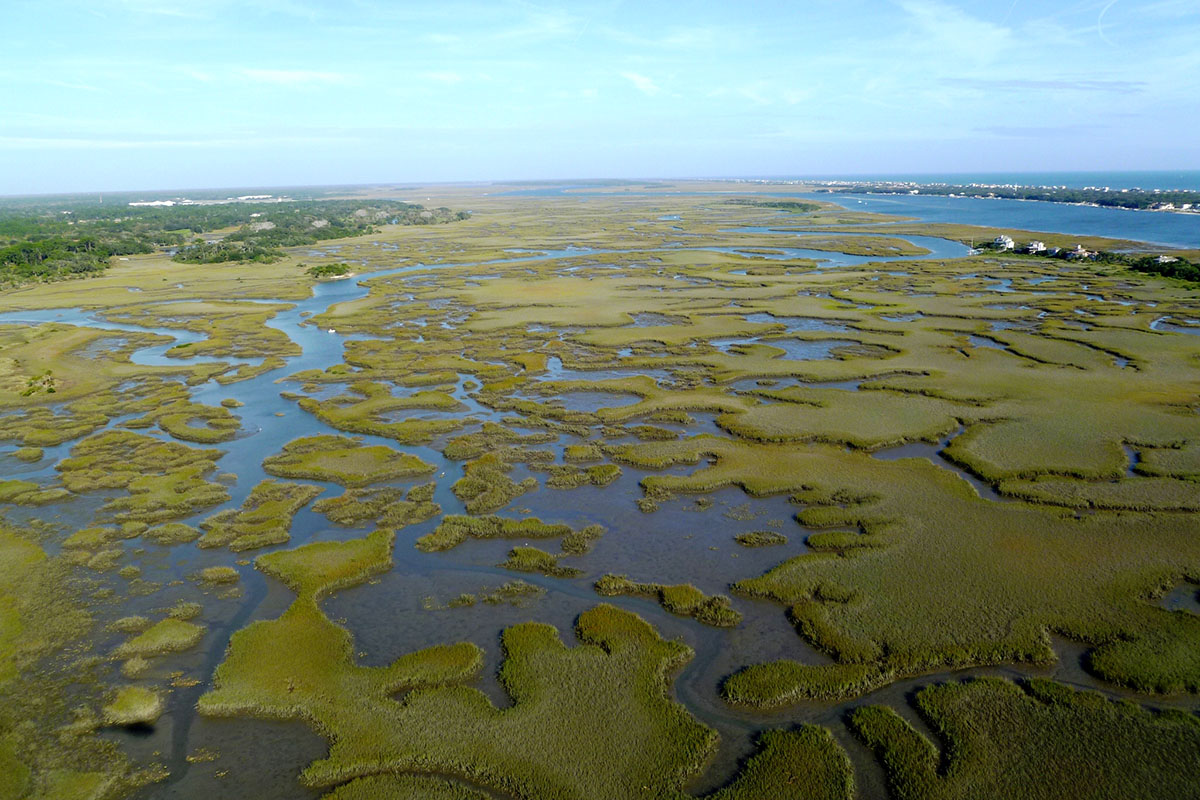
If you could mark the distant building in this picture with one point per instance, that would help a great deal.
(1035, 247)
(1166, 259)
(1081, 252)
(1003, 242)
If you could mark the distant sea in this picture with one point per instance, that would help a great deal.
(1156, 227)
(1177, 179)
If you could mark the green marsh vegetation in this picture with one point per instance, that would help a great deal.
(1061, 387)
(170, 635)
(456, 529)
(361, 411)
(343, 460)
(486, 486)
(231, 329)
(132, 706)
(49, 748)
(390, 507)
(164, 480)
(533, 559)
(516, 592)
(682, 599)
(1038, 740)
(761, 539)
(545, 745)
(850, 596)
(264, 518)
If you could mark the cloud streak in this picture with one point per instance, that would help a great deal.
(1036, 85)
(294, 77)
(643, 84)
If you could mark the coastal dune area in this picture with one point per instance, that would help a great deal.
(669, 489)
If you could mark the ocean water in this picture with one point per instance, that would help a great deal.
(1155, 227)
(1174, 179)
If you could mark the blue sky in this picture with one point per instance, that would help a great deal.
(143, 94)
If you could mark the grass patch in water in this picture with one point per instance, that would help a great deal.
(165, 480)
(360, 412)
(171, 534)
(683, 599)
(27, 493)
(389, 507)
(169, 635)
(581, 540)
(219, 575)
(489, 438)
(133, 706)
(761, 539)
(30, 455)
(343, 460)
(583, 452)
(455, 529)
(194, 422)
(486, 487)
(265, 517)
(567, 476)
(533, 559)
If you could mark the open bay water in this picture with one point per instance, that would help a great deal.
(1131, 179)
(1154, 227)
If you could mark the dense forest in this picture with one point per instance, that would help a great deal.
(54, 241)
(1113, 198)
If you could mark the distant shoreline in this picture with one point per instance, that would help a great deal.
(1180, 201)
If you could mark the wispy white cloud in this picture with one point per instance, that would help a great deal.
(642, 83)
(84, 87)
(163, 8)
(444, 77)
(83, 143)
(294, 77)
(198, 74)
(1038, 85)
(947, 29)
(1039, 131)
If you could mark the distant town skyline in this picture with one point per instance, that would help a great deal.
(162, 94)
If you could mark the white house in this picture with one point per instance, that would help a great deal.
(1003, 242)
(1036, 247)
